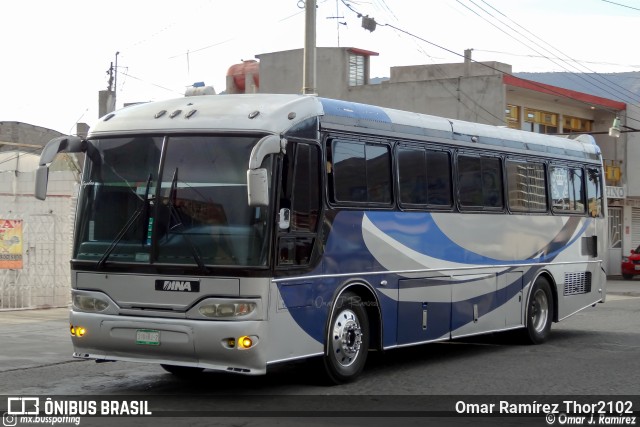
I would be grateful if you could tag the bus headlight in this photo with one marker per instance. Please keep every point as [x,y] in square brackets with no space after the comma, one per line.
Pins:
[227,309]
[89,304]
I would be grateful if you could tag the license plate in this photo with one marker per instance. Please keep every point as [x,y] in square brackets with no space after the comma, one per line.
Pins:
[637,267]
[147,337]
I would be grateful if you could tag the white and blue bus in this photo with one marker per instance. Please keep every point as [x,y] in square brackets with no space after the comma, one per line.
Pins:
[233,232]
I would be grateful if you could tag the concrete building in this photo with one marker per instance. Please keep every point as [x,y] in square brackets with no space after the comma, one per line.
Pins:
[484,92]
[35,236]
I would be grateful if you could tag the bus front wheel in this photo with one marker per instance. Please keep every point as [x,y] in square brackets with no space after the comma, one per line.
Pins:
[539,312]
[348,339]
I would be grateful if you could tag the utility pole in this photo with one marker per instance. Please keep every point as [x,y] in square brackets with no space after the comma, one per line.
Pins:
[309,67]
[115,81]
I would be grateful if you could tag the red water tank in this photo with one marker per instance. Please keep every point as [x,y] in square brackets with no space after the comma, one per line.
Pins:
[239,71]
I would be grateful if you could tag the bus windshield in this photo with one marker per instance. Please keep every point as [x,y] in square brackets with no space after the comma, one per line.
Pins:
[170,200]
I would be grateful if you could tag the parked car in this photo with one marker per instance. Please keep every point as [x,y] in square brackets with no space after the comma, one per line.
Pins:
[631,264]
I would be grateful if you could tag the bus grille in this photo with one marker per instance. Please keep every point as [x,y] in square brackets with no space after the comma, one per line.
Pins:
[577,283]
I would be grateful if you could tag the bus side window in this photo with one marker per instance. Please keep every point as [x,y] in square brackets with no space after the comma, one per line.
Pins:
[361,173]
[306,189]
[567,189]
[301,193]
[480,182]
[594,193]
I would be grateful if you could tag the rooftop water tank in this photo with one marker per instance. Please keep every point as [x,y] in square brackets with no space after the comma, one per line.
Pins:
[239,71]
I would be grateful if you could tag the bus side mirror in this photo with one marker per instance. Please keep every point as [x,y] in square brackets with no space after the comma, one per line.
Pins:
[42,179]
[68,144]
[258,187]
[257,177]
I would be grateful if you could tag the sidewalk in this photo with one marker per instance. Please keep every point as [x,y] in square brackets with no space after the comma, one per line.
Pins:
[616,285]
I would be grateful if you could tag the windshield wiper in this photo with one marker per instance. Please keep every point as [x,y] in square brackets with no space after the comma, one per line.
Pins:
[127,226]
[174,214]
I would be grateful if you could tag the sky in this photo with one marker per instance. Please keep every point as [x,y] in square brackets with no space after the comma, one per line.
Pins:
[55,54]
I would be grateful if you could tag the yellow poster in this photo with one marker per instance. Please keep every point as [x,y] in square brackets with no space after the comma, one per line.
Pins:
[10,244]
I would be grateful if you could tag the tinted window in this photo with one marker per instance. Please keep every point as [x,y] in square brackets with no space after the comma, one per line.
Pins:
[425,177]
[306,184]
[361,172]
[413,176]
[439,178]
[480,182]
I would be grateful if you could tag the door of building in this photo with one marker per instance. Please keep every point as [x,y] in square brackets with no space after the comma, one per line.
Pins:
[615,242]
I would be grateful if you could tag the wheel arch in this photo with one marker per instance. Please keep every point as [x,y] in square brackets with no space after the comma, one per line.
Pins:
[554,292]
[371,304]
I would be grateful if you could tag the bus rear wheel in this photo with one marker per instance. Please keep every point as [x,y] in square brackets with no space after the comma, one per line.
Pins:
[539,312]
[348,340]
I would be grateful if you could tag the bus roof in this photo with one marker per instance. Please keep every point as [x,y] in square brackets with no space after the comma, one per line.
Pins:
[277,113]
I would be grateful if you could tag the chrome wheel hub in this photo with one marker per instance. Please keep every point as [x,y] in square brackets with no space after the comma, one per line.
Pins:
[346,336]
[539,310]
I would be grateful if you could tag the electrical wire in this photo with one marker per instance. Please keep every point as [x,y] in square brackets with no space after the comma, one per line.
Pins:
[581,76]
[545,87]
[580,61]
[21,153]
[458,92]
[153,84]
[611,85]
[620,4]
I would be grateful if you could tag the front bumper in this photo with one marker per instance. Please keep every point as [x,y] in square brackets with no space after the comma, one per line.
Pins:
[182,342]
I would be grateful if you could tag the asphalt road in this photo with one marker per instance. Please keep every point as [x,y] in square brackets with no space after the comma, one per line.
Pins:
[593,353]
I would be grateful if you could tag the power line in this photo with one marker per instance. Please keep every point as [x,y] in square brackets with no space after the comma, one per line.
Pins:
[545,87]
[21,153]
[459,92]
[150,83]
[567,56]
[579,61]
[622,5]
[580,76]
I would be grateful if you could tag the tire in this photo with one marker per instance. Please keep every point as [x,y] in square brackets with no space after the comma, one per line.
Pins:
[347,340]
[627,276]
[182,371]
[539,312]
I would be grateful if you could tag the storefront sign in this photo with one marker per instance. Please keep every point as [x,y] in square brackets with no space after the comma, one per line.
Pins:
[615,192]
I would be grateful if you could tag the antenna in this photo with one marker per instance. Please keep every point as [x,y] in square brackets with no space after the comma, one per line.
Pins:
[338,23]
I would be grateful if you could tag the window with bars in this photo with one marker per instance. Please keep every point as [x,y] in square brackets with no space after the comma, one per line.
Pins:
[357,73]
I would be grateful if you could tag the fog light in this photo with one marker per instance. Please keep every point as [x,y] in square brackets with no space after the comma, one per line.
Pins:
[245,342]
[77,331]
